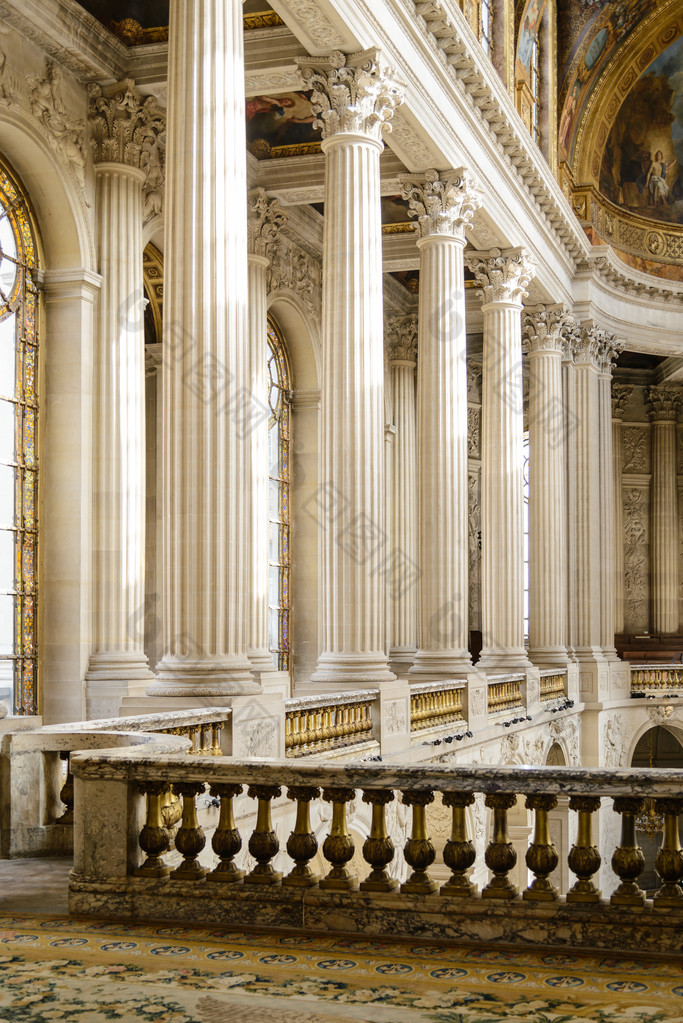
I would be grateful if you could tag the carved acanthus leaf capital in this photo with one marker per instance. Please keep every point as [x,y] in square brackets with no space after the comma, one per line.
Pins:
[620,395]
[128,128]
[401,338]
[663,404]
[265,217]
[352,94]
[444,204]
[502,276]
[546,328]
[597,347]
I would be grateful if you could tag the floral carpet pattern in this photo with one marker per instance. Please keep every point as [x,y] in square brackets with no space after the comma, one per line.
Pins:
[54,968]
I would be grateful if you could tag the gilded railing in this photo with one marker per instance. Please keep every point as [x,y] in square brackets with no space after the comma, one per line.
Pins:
[334,721]
[553,684]
[329,892]
[505,692]
[656,677]
[435,703]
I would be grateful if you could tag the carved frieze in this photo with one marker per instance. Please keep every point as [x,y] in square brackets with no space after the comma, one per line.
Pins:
[620,395]
[294,269]
[636,559]
[354,93]
[636,449]
[443,204]
[474,548]
[67,133]
[473,430]
[502,276]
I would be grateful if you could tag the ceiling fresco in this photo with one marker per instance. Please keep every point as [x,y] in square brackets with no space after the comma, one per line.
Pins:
[642,164]
[118,15]
[282,125]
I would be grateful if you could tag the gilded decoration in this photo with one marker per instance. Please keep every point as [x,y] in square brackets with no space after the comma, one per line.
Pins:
[282,125]
[153,283]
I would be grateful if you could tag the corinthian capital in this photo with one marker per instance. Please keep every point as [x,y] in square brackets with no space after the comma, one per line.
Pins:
[502,276]
[352,94]
[546,328]
[663,404]
[401,338]
[620,395]
[597,347]
[265,217]
[444,204]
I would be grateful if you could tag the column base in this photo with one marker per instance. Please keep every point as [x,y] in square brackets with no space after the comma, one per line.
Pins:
[440,664]
[261,661]
[180,676]
[354,668]
[504,661]
[110,679]
[549,656]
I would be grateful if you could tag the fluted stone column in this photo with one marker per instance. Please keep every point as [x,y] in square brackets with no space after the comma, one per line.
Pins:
[123,128]
[663,406]
[503,278]
[355,97]
[620,396]
[548,428]
[609,351]
[585,498]
[401,340]
[444,206]
[208,409]
[265,218]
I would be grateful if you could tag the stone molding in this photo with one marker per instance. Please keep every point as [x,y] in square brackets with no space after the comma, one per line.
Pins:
[130,129]
[544,328]
[503,276]
[663,404]
[352,94]
[620,395]
[443,203]
[265,217]
[401,338]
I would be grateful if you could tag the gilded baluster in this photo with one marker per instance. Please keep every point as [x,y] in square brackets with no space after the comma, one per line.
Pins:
[584,858]
[171,812]
[338,847]
[205,741]
[328,733]
[226,841]
[669,859]
[366,719]
[628,861]
[378,849]
[154,839]
[190,838]
[419,850]
[289,738]
[302,844]
[500,856]
[216,749]
[541,856]
[458,853]
[66,793]
[263,842]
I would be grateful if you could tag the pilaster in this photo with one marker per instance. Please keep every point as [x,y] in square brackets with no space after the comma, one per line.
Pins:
[620,396]
[663,407]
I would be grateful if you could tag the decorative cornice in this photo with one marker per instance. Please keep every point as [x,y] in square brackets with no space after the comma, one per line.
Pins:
[265,217]
[545,328]
[620,395]
[443,203]
[663,404]
[401,338]
[352,94]
[502,276]
[128,128]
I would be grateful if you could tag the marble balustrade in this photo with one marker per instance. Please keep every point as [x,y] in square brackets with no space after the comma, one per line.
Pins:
[505,692]
[122,870]
[553,684]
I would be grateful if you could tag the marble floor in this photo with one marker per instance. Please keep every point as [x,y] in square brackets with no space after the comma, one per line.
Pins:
[57,968]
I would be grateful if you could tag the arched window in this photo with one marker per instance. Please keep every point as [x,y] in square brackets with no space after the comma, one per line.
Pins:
[18,449]
[279,440]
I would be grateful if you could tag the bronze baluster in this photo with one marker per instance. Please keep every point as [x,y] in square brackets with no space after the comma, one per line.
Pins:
[338,847]
[171,812]
[628,861]
[190,838]
[226,841]
[66,793]
[458,853]
[419,850]
[153,840]
[378,849]
[302,844]
[500,856]
[541,856]
[263,842]
[584,858]
[669,859]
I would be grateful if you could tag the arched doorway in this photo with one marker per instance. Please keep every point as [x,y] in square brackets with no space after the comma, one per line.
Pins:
[658,747]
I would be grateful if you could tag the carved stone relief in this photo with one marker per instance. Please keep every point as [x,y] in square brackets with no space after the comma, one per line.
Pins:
[473,430]
[636,559]
[474,374]
[67,133]
[613,741]
[294,269]
[396,720]
[256,739]
[636,449]
[680,449]
[474,549]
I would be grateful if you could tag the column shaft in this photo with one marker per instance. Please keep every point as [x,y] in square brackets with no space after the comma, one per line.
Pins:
[663,409]
[207,404]
[403,515]
[607,531]
[620,395]
[587,505]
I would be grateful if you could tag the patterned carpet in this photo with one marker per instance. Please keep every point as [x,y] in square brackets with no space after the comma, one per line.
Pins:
[54,968]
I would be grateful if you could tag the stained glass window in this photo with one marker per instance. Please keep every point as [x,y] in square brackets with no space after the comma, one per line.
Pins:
[18,450]
[279,440]
[486,32]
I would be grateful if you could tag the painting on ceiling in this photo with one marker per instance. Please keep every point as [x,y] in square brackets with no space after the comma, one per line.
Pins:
[595,31]
[281,125]
[148,13]
[642,164]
